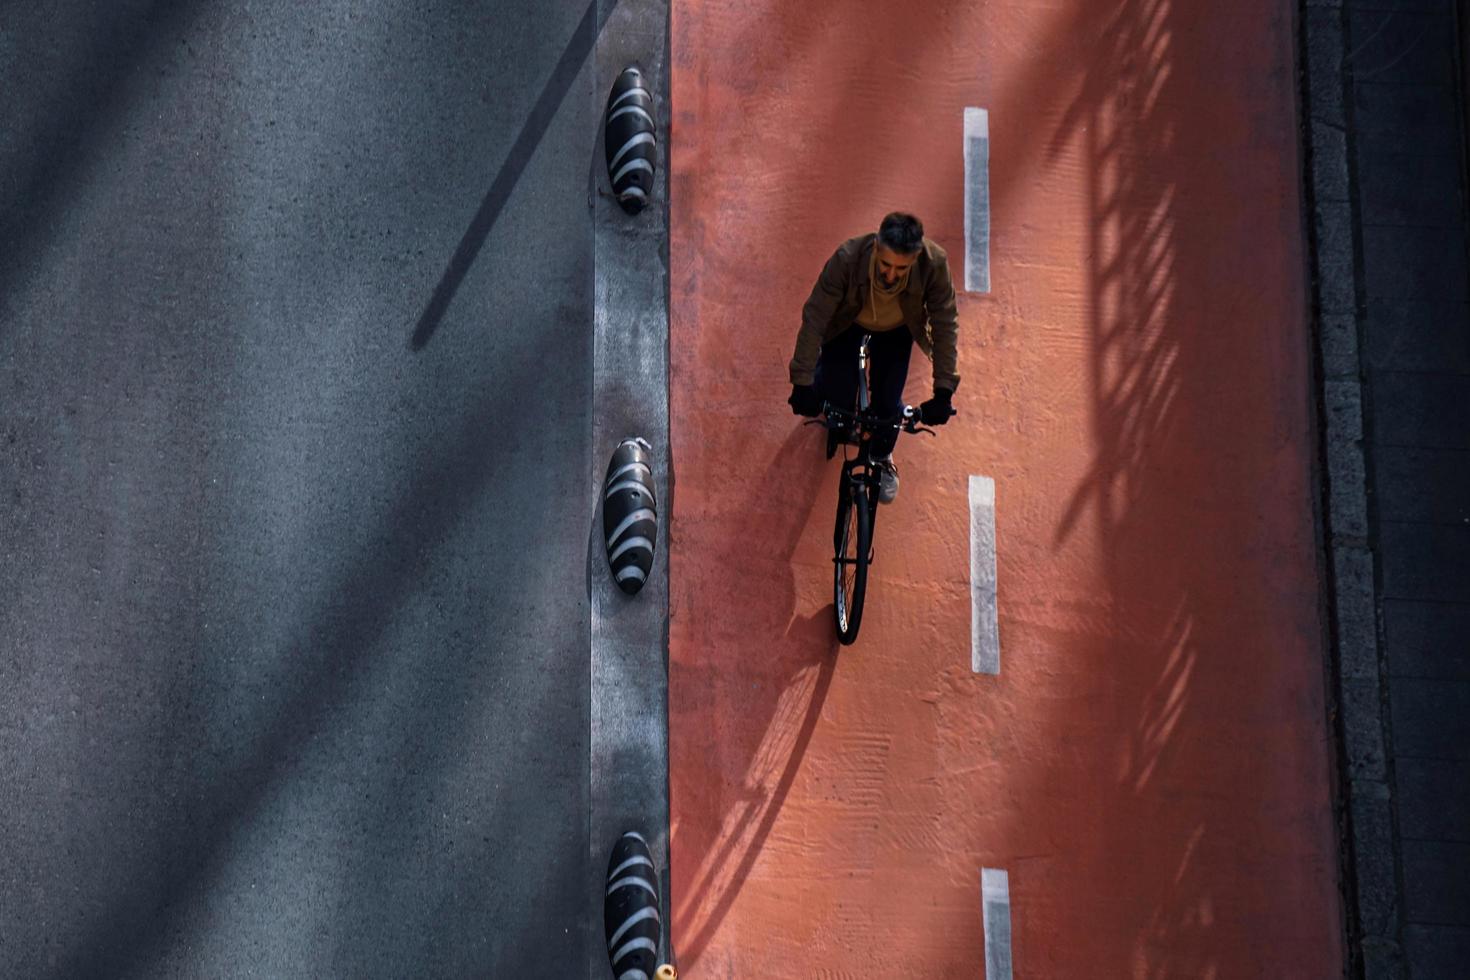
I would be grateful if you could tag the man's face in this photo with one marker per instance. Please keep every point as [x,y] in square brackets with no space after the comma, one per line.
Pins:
[892,265]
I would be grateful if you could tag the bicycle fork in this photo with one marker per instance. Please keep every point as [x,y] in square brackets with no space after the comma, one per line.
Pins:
[849,484]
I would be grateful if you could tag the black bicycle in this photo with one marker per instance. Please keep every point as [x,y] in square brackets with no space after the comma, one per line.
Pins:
[857,494]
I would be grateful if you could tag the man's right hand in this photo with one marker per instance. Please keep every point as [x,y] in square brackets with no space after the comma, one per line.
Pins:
[805,400]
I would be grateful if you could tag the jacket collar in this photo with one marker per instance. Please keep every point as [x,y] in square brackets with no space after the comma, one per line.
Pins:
[865,260]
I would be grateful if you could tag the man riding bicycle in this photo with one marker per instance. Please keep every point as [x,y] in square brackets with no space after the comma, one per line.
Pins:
[876,284]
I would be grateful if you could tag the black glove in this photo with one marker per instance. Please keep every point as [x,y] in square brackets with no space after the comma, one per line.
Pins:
[936,411]
[805,400]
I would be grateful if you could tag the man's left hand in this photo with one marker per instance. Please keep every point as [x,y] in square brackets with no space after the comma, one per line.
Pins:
[936,411]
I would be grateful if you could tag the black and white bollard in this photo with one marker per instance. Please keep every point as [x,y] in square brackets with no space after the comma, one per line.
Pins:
[630,514]
[630,912]
[631,141]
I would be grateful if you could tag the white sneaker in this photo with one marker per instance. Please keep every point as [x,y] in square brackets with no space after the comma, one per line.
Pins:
[887,480]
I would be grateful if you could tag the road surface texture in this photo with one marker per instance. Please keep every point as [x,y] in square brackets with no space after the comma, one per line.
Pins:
[1146,780]
[296,379]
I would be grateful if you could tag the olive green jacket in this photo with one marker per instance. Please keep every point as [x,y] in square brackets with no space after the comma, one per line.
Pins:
[927,302]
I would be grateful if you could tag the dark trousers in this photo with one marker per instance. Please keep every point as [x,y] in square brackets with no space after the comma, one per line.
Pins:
[888,369]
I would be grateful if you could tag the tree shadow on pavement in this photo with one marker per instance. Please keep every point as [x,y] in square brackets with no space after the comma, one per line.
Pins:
[1189,427]
[227,786]
[71,111]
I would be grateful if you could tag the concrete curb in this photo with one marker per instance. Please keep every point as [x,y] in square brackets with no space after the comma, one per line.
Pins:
[1370,867]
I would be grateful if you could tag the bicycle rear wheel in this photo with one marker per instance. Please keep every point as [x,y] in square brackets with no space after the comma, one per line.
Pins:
[850,566]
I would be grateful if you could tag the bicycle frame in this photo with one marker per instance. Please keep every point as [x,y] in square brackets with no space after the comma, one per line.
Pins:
[858,491]
[858,474]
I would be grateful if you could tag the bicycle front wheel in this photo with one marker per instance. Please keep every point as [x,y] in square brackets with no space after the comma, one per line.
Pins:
[850,567]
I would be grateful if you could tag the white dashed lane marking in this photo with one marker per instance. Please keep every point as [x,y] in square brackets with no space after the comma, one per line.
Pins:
[984,629]
[977,200]
[995,897]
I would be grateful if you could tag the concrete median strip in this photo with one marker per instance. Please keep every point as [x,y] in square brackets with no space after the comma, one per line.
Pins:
[628,710]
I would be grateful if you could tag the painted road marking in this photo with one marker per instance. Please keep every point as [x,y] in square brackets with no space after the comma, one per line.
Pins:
[977,200]
[984,628]
[995,898]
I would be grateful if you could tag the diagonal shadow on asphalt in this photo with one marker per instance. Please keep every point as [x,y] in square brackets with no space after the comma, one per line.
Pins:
[578,49]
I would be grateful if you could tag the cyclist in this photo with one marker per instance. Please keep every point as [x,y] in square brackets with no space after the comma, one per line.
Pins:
[877,284]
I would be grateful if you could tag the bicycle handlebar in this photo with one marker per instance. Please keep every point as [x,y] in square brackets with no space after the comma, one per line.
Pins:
[907,419]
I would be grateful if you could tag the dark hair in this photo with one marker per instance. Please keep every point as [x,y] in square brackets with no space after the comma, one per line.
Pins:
[901,232]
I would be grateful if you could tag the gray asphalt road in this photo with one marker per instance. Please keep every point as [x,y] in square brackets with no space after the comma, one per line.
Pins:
[293,598]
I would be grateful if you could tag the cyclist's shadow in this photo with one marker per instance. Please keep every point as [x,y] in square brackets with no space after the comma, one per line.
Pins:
[760,683]
[759,551]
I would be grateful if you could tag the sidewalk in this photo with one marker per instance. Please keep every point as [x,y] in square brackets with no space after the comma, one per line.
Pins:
[1388,179]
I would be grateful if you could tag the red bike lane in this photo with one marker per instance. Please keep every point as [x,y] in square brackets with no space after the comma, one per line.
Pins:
[1150,766]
